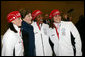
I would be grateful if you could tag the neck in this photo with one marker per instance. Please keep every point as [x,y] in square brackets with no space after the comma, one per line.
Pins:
[16,27]
[39,23]
[57,22]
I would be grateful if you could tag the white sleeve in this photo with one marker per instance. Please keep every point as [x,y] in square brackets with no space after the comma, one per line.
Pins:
[7,48]
[76,35]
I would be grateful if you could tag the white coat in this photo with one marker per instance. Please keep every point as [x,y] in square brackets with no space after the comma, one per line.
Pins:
[42,45]
[63,46]
[10,41]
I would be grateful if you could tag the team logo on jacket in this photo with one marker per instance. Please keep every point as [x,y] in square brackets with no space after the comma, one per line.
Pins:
[63,31]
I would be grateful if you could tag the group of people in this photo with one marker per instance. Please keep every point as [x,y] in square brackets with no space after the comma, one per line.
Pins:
[28,35]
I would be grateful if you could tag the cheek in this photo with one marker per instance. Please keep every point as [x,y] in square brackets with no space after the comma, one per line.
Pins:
[20,21]
[26,19]
[38,19]
[41,17]
[60,17]
[55,18]
[29,19]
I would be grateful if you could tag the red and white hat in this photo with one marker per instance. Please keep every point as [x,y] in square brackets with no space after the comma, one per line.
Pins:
[13,15]
[36,13]
[53,13]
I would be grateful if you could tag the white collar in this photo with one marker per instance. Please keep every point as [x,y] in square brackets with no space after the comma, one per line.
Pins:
[16,27]
[56,24]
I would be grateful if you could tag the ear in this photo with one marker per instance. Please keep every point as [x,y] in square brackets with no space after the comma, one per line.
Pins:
[20,20]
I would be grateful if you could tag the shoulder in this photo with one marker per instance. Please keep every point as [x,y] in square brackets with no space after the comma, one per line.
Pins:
[33,24]
[9,35]
[66,22]
[46,25]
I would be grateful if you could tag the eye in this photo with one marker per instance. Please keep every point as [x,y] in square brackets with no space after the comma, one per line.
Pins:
[19,18]
[28,16]
[38,16]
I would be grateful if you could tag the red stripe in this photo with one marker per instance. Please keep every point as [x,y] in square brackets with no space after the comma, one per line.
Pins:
[38,26]
[20,32]
[21,39]
[56,31]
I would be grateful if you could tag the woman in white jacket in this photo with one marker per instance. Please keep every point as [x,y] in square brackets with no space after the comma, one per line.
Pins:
[60,36]
[12,41]
[42,45]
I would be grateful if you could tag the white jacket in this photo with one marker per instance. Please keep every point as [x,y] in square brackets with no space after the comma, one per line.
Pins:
[10,41]
[63,46]
[42,45]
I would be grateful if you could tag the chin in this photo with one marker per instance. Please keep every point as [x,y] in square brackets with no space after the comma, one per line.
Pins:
[58,22]
[41,22]
[19,26]
[30,22]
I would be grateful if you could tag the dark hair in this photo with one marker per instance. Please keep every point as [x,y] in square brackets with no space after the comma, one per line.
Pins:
[51,23]
[12,27]
[35,19]
[24,12]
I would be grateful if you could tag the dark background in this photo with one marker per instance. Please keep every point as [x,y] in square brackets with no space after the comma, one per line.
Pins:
[44,6]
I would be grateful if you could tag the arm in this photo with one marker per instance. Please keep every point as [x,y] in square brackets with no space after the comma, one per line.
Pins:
[76,35]
[7,49]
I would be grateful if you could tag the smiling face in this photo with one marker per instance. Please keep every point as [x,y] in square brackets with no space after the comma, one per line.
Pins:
[28,18]
[57,18]
[39,19]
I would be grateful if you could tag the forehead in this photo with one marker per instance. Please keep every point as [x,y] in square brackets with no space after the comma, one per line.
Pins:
[29,14]
[39,15]
[18,18]
[56,15]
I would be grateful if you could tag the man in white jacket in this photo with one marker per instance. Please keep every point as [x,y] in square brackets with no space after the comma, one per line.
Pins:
[42,45]
[12,41]
[60,36]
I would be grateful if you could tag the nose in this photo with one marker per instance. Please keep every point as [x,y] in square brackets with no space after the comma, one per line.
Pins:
[30,17]
[21,20]
[41,17]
